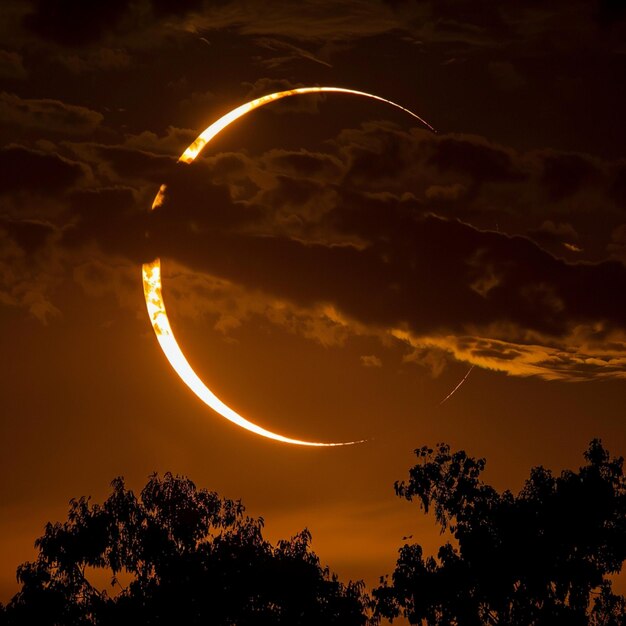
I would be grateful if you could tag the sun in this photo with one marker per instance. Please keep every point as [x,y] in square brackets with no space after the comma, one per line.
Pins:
[152,285]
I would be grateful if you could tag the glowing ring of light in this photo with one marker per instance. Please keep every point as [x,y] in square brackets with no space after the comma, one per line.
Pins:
[152,271]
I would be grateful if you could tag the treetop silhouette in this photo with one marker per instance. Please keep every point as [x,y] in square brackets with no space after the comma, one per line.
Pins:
[532,559]
[193,557]
[543,557]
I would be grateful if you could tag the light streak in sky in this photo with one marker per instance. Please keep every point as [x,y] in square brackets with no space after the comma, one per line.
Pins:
[457,387]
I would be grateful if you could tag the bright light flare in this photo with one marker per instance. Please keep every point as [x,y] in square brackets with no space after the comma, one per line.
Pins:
[151,272]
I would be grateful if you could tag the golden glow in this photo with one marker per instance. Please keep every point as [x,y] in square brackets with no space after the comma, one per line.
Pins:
[152,271]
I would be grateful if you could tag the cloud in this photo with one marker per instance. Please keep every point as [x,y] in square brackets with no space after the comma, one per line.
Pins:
[12,66]
[550,234]
[107,277]
[336,297]
[371,360]
[565,174]
[194,108]
[33,171]
[385,262]
[617,247]
[383,235]
[172,143]
[445,192]
[121,163]
[577,357]
[74,23]
[309,20]
[230,305]
[286,53]
[491,186]
[29,271]
[29,235]
[482,161]
[109,216]
[419,259]
[264,86]
[505,76]
[104,59]
[48,115]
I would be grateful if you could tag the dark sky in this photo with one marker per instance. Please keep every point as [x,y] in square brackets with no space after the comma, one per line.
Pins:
[332,269]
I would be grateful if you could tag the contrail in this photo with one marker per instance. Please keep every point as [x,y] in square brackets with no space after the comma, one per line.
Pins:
[457,387]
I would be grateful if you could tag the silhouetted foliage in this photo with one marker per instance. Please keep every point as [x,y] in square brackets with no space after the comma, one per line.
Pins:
[192,557]
[540,558]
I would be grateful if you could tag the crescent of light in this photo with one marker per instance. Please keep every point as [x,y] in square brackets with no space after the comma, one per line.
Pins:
[152,271]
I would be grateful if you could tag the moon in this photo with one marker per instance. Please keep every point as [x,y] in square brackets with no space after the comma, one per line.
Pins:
[151,272]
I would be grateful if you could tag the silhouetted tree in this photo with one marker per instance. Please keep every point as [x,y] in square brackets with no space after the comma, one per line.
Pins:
[540,558]
[192,557]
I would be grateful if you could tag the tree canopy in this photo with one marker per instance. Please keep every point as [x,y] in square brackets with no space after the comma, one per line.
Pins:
[181,555]
[542,557]
[192,557]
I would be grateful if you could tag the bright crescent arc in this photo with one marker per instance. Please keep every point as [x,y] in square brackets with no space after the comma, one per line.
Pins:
[151,272]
